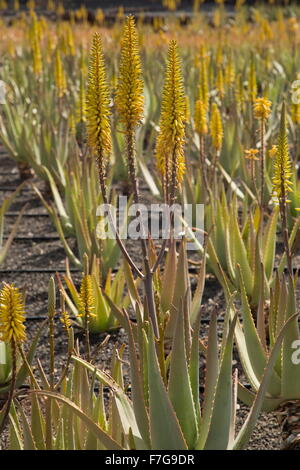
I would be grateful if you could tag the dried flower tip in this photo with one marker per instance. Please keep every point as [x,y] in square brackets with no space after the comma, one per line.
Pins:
[12,315]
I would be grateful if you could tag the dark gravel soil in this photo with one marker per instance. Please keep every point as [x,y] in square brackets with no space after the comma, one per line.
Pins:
[34,254]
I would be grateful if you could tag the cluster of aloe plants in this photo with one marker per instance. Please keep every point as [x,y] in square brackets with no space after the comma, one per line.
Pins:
[218,141]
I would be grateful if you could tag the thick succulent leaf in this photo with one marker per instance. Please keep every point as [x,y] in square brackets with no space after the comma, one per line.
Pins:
[103,437]
[23,371]
[247,428]
[269,243]
[123,403]
[211,378]
[169,278]
[248,397]
[241,255]
[254,347]
[221,418]
[290,369]
[165,430]
[180,390]
[194,366]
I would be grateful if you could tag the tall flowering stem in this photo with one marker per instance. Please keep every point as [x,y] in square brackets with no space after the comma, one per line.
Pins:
[282,183]
[130,107]
[262,110]
[129,95]
[87,308]
[171,138]
[98,125]
[216,132]
[97,111]
[12,330]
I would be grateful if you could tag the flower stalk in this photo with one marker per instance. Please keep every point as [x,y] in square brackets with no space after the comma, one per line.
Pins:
[12,330]
[282,184]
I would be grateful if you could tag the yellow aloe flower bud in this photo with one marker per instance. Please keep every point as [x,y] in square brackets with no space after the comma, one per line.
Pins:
[50,5]
[203,93]
[70,41]
[229,70]
[262,108]
[100,16]
[97,102]
[34,38]
[60,77]
[87,301]
[31,5]
[171,137]
[129,95]
[12,315]
[219,55]
[295,112]
[216,127]
[60,11]
[200,118]
[282,171]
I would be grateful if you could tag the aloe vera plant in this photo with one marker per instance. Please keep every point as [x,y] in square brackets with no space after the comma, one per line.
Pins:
[164,411]
[102,318]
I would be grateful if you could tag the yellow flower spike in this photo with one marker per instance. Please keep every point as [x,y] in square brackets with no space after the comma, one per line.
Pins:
[216,127]
[250,154]
[50,5]
[70,41]
[12,315]
[66,320]
[171,138]
[60,77]
[97,103]
[200,118]
[60,11]
[262,108]
[219,55]
[87,301]
[229,70]
[34,38]
[282,172]
[129,95]
[203,80]
[220,82]
[295,113]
